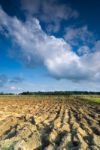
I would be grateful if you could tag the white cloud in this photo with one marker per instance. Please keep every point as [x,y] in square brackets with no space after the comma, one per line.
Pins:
[50,12]
[49,8]
[12,88]
[75,36]
[83,50]
[55,54]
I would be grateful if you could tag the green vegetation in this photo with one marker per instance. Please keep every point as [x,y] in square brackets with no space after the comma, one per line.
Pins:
[61,93]
[11,147]
[55,93]
[92,98]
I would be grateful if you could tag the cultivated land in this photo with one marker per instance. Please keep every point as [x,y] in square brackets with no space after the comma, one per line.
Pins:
[49,122]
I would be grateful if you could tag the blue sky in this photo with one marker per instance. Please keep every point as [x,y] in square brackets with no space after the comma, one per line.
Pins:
[49,45]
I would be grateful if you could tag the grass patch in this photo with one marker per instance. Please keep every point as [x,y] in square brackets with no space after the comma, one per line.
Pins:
[11,147]
[91,98]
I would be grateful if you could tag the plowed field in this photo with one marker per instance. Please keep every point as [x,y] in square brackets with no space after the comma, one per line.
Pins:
[48,123]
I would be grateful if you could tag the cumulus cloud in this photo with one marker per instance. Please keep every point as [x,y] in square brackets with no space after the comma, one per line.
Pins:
[76,36]
[51,12]
[83,50]
[35,48]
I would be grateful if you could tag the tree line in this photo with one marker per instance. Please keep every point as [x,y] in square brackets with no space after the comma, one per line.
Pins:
[55,93]
[61,93]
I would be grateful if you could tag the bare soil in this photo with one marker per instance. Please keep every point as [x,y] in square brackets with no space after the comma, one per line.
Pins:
[48,123]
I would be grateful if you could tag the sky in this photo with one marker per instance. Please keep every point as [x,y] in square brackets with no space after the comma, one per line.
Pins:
[49,45]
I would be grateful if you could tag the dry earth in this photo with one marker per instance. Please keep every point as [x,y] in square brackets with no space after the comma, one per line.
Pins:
[48,123]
